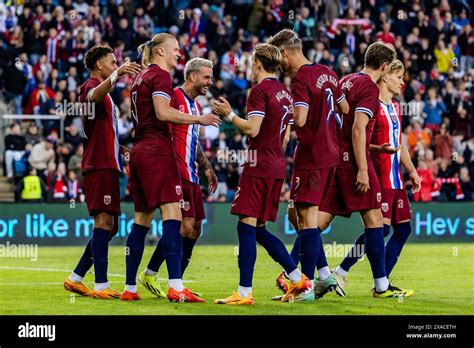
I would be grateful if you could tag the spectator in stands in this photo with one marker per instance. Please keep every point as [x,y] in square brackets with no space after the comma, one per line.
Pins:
[59,184]
[467,185]
[431,163]
[418,135]
[444,56]
[433,110]
[15,84]
[443,143]
[74,186]
[41,154]
[31,188]
[73,137]
[39,99]
[230,63]
[424,195]
[14,147]
[32,135]
[75,161]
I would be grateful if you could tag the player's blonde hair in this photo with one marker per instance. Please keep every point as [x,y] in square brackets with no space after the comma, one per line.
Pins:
[396,66]
[286,38]
[195,64]
[146,49]
[269,55]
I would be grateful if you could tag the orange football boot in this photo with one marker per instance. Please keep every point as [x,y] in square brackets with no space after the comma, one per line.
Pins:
[183,296]
[77,287]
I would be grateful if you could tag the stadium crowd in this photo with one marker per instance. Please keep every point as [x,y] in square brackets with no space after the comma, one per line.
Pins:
[42,45]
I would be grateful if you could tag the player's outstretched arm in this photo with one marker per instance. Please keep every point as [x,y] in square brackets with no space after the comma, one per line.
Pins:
[127,68]
[250,127]
[359,142]
[164,112]
[408,164]
[203,163]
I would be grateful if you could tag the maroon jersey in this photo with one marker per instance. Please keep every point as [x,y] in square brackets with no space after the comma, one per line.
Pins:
[100,132]
[316,87]
[362,94]
[271,100]
[151,134]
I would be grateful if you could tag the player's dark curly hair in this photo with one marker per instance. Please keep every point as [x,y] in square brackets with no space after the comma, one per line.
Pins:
[94,54]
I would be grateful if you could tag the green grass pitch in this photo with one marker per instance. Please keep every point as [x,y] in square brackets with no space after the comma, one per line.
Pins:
[440,274]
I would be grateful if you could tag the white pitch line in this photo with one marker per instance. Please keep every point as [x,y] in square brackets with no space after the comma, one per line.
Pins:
[41,283]
[68,271]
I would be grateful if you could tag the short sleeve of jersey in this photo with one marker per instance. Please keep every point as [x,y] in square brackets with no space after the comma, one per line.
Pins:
[161,84]
[89,88]
[300,91]
[340,94]
[368,100]
[256,102]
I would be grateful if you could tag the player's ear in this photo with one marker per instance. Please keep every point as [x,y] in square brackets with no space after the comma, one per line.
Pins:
[161,51]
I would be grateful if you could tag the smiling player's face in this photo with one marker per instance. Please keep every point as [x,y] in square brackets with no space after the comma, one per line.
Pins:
[395,82]
[171,53]
[107,65]
[202,80]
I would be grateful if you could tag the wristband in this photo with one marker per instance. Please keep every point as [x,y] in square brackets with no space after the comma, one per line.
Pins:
[113,77]
[231,116]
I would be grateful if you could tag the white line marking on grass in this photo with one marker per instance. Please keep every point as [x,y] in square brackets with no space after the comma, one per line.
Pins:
[68,271]
[41,283]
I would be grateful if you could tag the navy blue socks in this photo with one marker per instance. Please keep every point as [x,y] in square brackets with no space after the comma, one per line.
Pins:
[172,247]
[310,250]
[86,261]
[134,251]
[188,245]
[275,248]
[375,250]
[395,244]
[247,253]
[100,251]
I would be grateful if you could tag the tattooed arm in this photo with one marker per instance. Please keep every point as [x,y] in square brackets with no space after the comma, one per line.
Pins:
[204,164]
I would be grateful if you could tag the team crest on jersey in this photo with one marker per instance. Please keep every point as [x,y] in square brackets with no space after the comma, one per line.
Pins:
[384,207]
[379,197]
[107,199]
[184,205]
[178,189]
